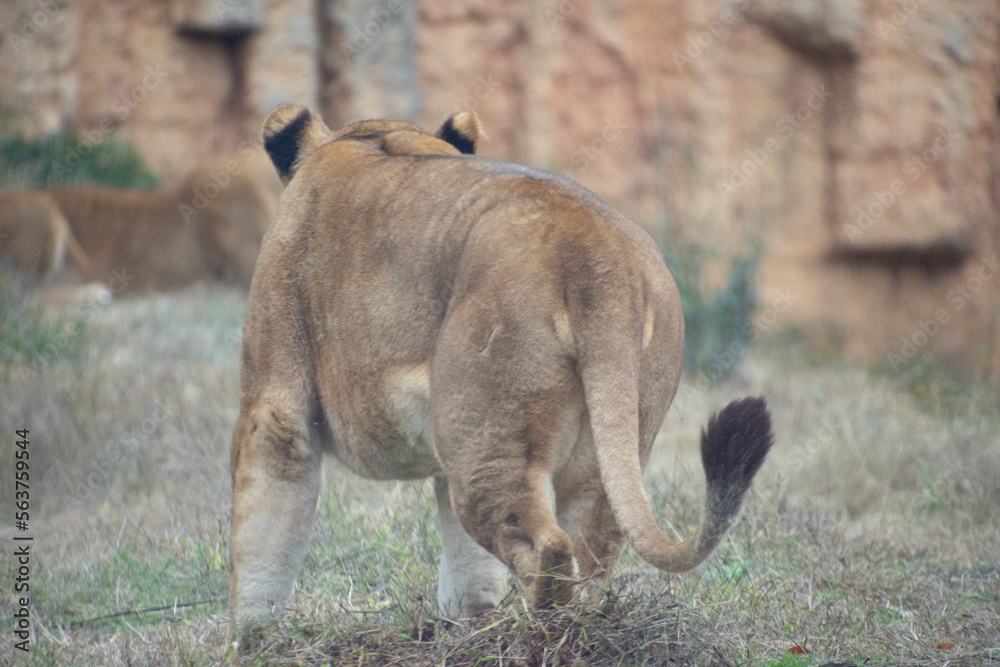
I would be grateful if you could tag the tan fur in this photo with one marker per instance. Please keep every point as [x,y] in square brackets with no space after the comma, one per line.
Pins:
[206,226]
[417,312]
[34,236]
[37,245]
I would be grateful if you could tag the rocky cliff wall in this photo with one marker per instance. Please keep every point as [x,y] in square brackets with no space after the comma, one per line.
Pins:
[855,143]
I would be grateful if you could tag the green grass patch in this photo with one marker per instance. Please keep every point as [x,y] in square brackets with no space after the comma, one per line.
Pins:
[790,660]
[131,585]
[30,336]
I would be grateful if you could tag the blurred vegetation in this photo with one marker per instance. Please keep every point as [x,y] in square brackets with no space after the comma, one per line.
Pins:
[29,336]
[718,329]
[64,158]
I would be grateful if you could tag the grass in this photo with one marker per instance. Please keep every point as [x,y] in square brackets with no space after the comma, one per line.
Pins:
[28,333]
[871,536]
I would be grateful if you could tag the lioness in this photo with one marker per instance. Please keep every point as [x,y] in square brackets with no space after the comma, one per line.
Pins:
[35,237]
[35,240]
[205,226]
[419,312]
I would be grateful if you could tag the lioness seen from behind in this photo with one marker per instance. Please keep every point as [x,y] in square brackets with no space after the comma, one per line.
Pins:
[418,311]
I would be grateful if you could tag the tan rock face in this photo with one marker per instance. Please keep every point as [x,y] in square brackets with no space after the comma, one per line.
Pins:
[282,61]
[225,18]
[856,142]
[39,45]
[908,137]
[368,63]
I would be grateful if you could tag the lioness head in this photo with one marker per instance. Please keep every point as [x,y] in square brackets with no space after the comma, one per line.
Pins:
[291,133]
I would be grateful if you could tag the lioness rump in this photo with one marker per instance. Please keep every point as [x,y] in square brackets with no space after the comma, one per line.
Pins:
[419,312]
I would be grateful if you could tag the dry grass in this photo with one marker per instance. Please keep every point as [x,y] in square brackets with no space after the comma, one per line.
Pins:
[873,531]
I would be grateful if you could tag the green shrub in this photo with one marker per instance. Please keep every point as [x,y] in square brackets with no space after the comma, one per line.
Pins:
[63,158]
[718,330]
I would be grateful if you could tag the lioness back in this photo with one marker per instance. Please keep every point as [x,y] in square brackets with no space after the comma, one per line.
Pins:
[417,235]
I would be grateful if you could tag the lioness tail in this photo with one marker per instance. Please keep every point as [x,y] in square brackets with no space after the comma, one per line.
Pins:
[733,447]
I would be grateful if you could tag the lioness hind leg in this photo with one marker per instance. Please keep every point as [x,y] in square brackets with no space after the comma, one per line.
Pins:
[471,581]
[506,510]
[586,516]
[505,412]
[276,465]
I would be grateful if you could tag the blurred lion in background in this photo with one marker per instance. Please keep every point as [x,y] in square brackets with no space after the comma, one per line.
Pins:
[206,226]
[35,239]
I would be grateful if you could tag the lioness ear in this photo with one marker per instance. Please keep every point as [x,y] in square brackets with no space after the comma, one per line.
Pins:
[291,133]
[462,130]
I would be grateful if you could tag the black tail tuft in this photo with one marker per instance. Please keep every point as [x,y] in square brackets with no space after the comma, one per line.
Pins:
[734,444]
